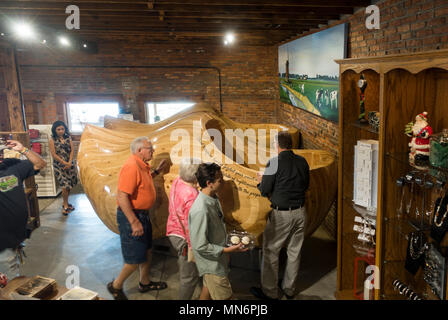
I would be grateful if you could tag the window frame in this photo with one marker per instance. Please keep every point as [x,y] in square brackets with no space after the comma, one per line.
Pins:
[89,99]
[156,103]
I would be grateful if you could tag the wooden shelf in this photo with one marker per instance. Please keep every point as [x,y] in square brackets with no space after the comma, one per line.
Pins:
[365,127]
[404,159]
[399,88]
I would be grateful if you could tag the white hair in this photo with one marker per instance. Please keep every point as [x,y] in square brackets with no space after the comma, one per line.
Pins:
[137,143]
[188,168]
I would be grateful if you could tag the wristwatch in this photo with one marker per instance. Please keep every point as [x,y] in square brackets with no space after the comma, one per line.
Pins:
[24,150]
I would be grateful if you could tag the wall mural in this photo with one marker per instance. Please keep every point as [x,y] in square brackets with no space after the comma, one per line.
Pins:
[308,75]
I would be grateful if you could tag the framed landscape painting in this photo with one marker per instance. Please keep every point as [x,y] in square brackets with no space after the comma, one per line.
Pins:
[308,75]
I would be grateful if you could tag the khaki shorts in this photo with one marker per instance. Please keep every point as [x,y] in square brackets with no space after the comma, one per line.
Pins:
[218,286]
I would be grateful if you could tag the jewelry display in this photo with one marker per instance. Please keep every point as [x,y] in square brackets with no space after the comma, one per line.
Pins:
[427,192]
[419,182]
[417,245]
[442,204]
[405,290]
[439,189]
[401,182]
[410,179]
[439,224]
[434,271]
[422,200]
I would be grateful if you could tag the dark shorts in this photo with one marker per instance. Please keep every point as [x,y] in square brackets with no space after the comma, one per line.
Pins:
[134,249]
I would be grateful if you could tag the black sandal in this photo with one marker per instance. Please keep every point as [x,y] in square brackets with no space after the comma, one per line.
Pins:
[65,211]
[152,286]
[118,294]
[70,207]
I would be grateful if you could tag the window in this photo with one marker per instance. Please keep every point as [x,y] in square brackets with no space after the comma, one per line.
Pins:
[80,114]
[160,111]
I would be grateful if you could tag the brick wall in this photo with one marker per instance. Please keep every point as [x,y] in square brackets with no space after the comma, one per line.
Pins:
[248,77]
[406,26]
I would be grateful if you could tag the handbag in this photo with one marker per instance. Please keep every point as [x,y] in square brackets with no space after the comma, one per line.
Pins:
[190,256]
[36,147]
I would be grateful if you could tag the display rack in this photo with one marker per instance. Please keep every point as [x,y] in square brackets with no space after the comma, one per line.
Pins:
[46,180]
[399,87]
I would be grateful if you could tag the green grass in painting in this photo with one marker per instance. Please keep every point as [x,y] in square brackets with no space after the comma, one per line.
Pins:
[310,87]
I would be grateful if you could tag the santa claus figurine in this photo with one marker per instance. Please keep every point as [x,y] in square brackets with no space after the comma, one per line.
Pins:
[3,280]
[419,145]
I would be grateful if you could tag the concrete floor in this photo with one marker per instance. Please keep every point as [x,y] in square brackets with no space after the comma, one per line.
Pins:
[82,241]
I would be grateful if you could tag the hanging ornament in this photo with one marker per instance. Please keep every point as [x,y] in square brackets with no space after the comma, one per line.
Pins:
[362,84]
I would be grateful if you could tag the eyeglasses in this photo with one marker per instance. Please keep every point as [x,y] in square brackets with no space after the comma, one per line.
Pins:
[151,149]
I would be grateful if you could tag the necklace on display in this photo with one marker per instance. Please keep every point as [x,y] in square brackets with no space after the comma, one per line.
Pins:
[436,216]
[413,242]
[409,204]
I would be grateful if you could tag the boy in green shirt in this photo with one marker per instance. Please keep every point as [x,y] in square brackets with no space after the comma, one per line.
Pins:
[208,235]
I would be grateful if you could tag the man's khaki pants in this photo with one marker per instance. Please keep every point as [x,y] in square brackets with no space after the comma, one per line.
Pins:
[283,229]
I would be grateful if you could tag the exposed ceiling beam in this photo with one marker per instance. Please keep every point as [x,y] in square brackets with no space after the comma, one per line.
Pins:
[260,22]
[176,14]
[279,9]
[268,3]
[104,21]
[180,14]
[289,3]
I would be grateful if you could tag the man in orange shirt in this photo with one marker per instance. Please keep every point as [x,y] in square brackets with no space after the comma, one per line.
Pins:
[135,196]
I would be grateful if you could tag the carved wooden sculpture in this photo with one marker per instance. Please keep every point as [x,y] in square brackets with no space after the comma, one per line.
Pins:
[200,132]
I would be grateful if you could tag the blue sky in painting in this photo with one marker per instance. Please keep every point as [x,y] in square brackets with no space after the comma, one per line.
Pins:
[314,54]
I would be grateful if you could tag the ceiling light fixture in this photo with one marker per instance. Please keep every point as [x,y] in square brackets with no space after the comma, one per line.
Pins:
[229,39]
[64,41]
[23,30]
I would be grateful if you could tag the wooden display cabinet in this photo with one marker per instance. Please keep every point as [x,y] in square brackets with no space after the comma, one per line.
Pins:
[399,87]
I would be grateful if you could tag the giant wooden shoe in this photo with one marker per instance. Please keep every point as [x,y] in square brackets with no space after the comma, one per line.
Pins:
[199,132]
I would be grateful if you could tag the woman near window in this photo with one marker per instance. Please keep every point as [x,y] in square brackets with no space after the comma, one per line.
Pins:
[61,147]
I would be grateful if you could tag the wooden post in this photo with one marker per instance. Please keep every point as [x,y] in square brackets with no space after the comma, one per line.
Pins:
[15,109]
